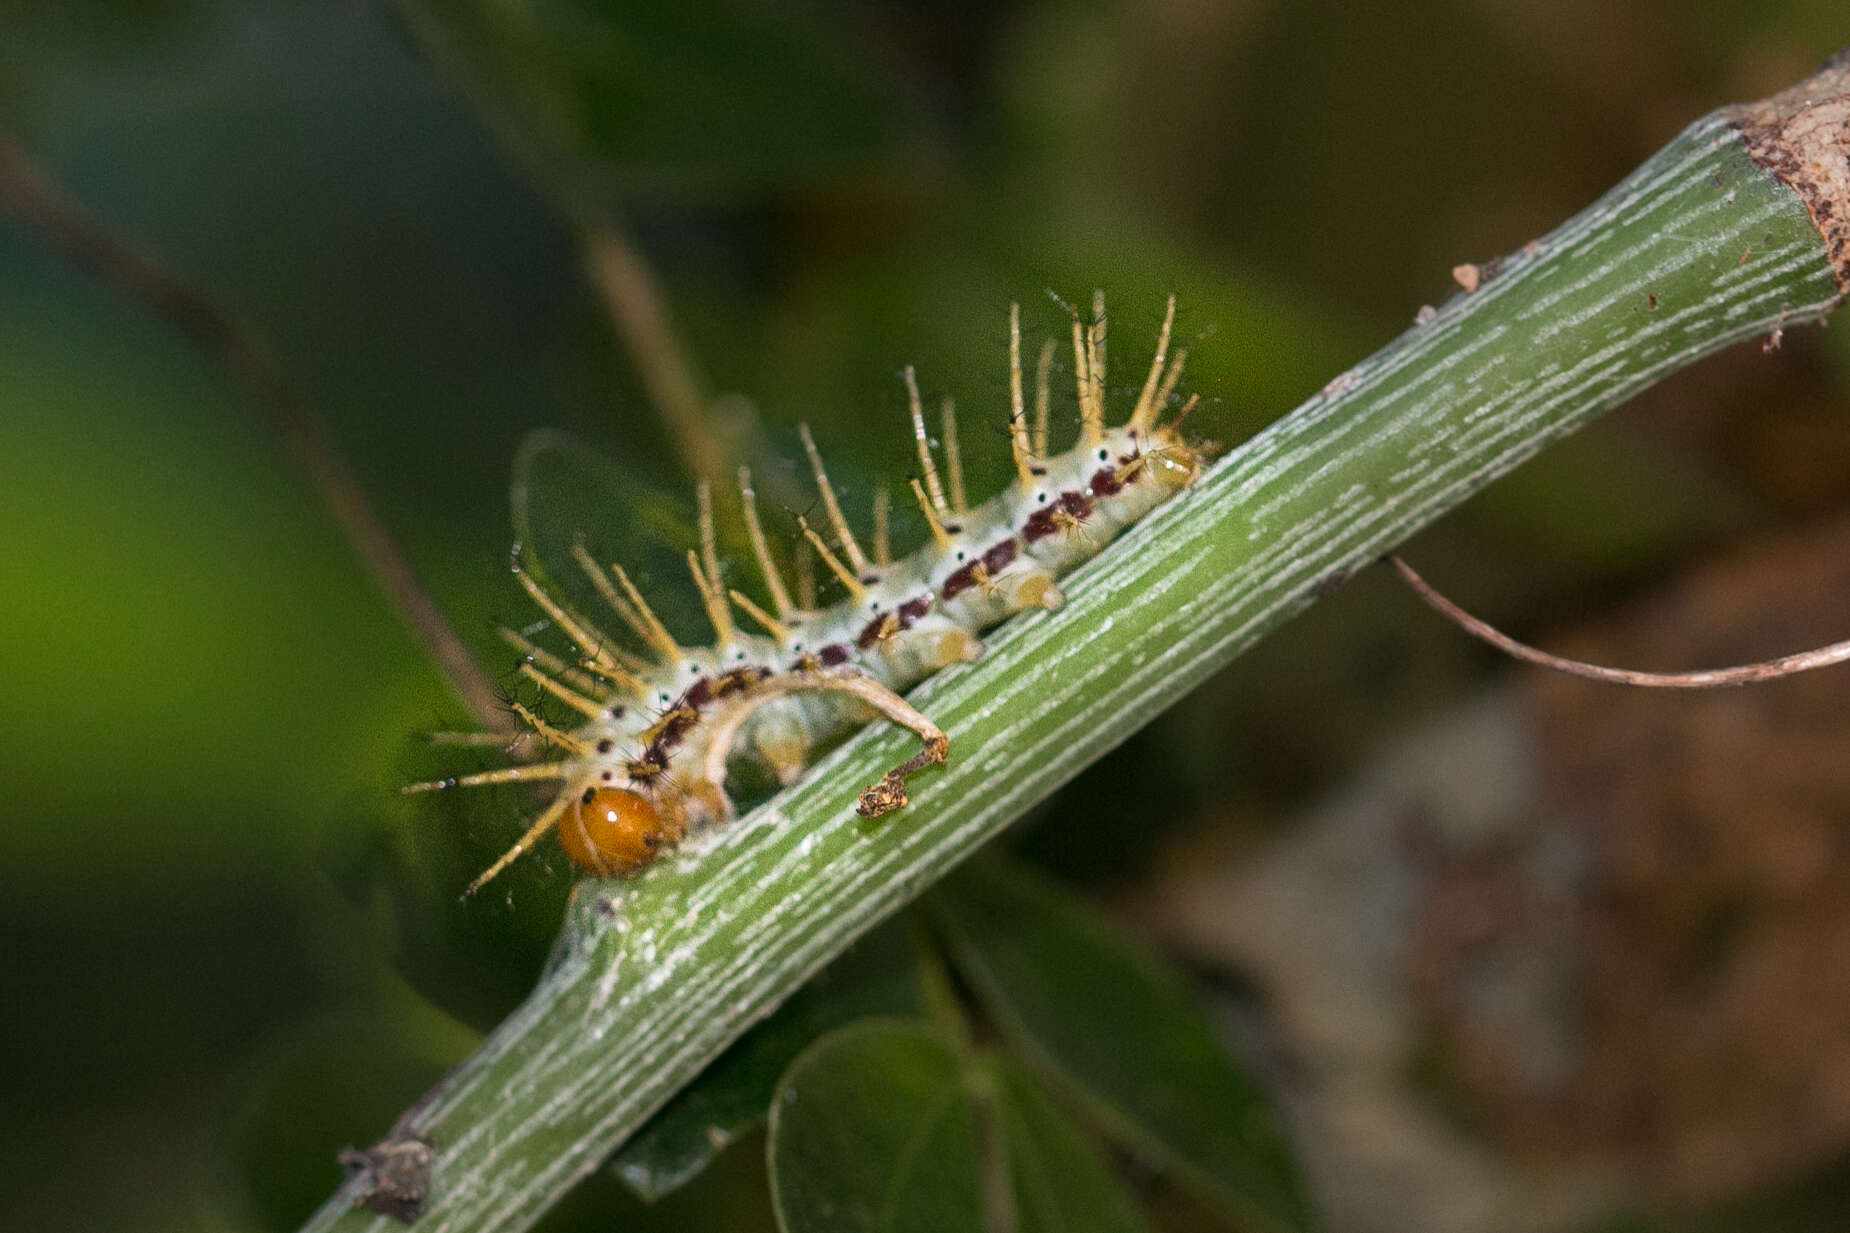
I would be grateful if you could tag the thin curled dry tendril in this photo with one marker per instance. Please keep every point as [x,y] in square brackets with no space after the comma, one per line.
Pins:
[1706,678]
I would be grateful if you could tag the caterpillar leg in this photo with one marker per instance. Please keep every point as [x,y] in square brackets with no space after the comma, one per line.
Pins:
[882,797]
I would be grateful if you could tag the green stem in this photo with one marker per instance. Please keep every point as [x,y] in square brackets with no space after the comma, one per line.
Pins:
[652,977]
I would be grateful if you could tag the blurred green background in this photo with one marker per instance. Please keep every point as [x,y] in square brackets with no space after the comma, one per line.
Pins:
[229,948]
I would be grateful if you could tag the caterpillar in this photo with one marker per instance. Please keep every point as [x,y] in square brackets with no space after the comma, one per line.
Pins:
[647,761]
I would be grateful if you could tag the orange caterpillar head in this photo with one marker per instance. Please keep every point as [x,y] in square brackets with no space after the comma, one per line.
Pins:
[612,830]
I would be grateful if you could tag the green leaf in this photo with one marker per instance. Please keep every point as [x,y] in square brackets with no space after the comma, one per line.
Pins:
[732,1096]
[1122,1033]
[1060,1183]
[873,1131]
[701,96]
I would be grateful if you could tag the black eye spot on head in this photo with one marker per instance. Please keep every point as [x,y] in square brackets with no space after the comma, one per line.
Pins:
[1040,498]
[664,697]
[961,554]
[693,669]
[873,605]
[797,646]
[606,745]
[1104,455]
[738,656]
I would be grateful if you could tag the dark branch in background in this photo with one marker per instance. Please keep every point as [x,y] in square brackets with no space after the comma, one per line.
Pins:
[1707,678]
[636,310]
[30,195]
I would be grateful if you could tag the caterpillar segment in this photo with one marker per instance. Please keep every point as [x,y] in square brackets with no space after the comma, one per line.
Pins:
[646,760]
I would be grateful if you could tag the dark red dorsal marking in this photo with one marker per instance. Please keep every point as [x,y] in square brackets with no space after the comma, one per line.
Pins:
[877,630]
[959,582]
[670,732]
[739,680]
[1075,505]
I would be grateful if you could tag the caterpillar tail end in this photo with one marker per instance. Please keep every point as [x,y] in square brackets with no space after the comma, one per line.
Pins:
[890,793]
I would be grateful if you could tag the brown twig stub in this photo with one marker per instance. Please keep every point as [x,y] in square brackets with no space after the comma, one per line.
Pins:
[30,195]
[1801,136]
[1707,678]
[396,1171]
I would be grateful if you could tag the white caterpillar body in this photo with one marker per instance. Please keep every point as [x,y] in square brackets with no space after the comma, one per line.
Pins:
[650,758]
